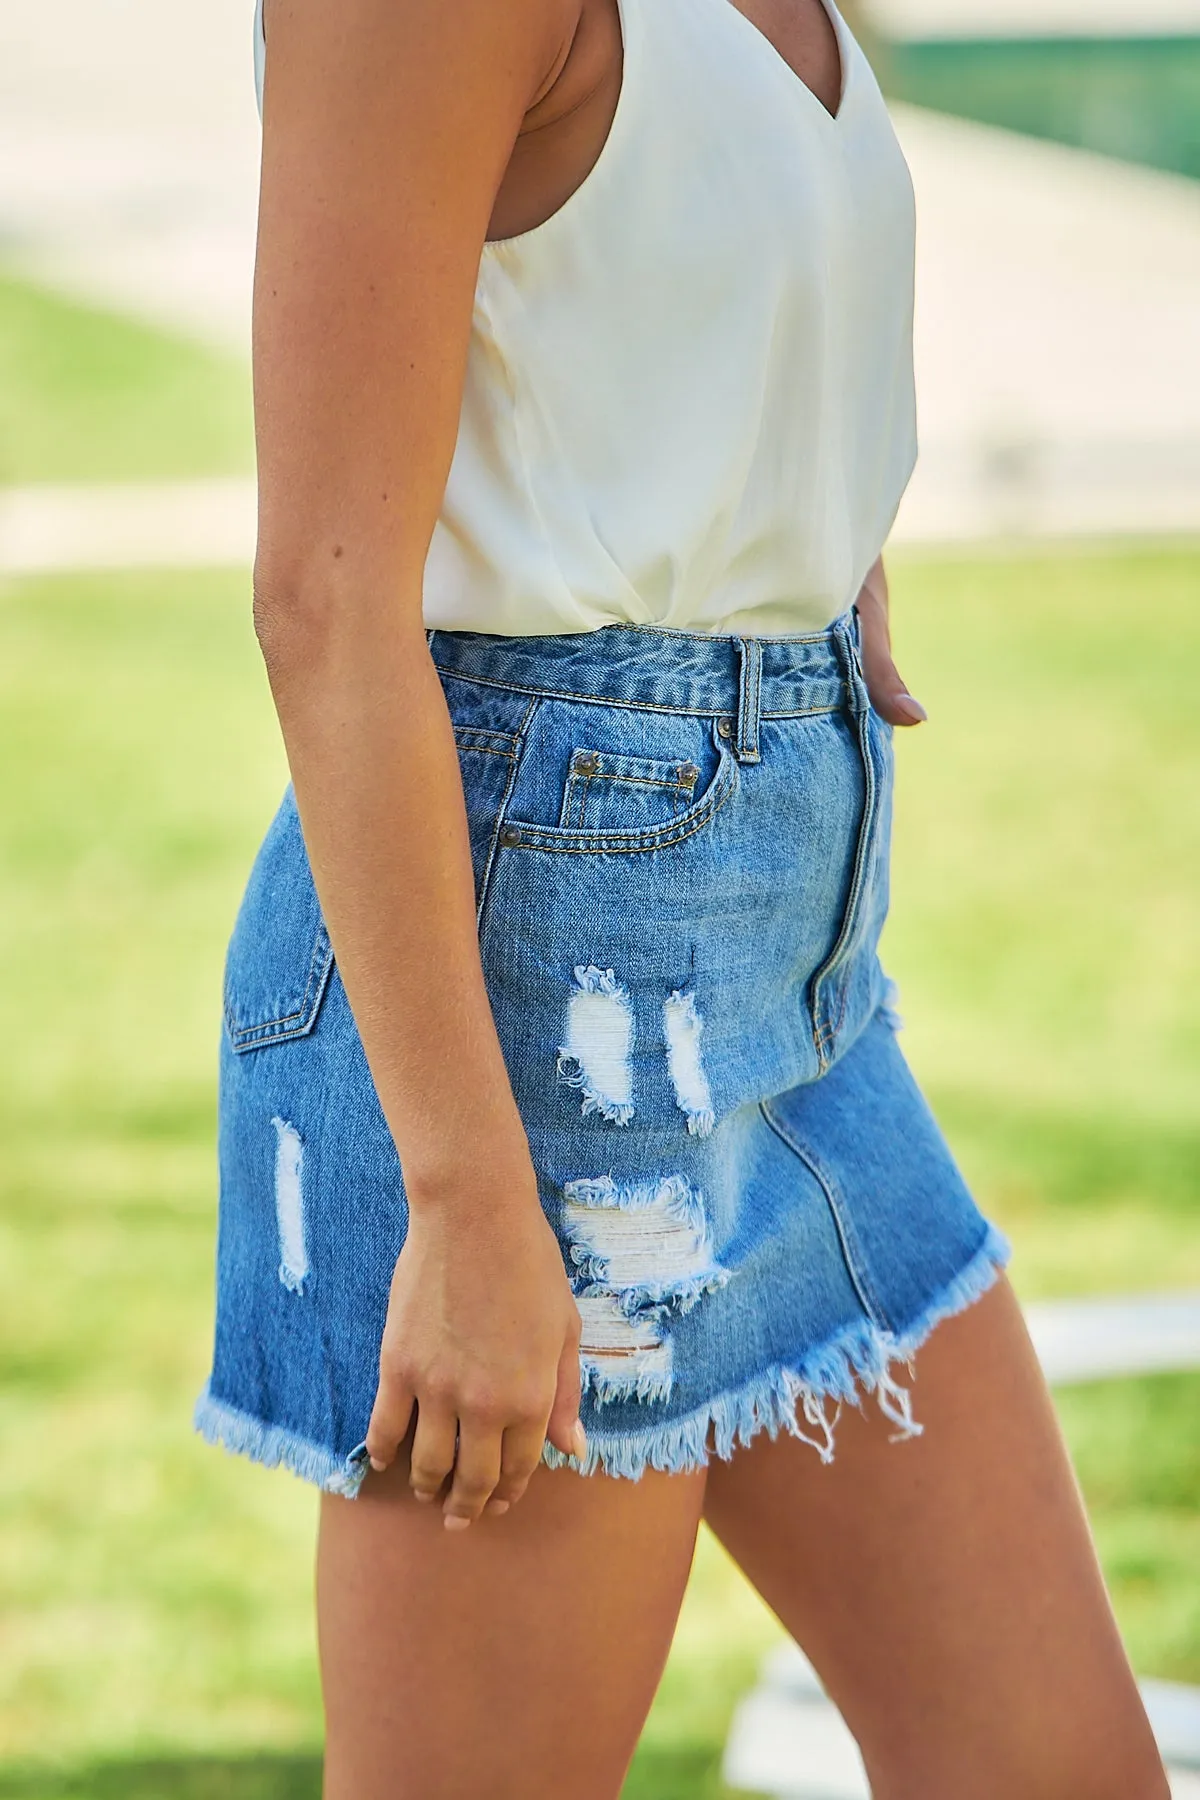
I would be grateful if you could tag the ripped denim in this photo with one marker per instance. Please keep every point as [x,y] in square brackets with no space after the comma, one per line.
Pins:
[680,845]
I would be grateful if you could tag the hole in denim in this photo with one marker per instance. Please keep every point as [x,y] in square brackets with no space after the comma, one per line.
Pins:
[622,1358]
[596,1056]
[684,1027]
[648,1243]
[289,1206]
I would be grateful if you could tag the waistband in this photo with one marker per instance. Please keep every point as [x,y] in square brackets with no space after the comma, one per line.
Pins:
[662,670]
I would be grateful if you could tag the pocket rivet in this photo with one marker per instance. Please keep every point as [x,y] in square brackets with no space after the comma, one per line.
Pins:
[587,762]
[688,773]
[510,836]
[725,728]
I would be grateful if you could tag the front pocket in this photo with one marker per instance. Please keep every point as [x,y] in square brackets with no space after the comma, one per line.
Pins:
[279,959]
[630,803]
[607,792]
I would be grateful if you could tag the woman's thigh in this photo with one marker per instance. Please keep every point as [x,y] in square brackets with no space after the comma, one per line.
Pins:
[518,1658]
[946,1588]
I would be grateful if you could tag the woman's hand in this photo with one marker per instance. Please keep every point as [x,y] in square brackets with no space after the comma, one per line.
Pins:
[482,1339]
[889,696]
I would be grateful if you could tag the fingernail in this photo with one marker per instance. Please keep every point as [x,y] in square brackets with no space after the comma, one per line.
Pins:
[424,1495]
[498,1506]
[910,707]
[578,1439]
[453,1522]
[377,1465]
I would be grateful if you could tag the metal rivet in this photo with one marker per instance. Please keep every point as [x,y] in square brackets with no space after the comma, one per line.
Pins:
[510,836]
[725,728]
[688,773]
[587,762]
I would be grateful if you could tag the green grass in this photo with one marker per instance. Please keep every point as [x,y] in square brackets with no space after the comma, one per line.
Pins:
[88,396]
[1047,871]
[156,1636]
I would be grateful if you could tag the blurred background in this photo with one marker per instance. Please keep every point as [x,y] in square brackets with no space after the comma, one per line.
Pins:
[155,1618]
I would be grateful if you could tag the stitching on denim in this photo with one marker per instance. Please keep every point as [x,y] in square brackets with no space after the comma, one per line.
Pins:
[571,812]
[710,637]
[824,1035]
[753,700]
[603,845]
[839,1212]
[486,750]
[498,826]
[870,847]
[804,712]
[634,780]
[675,712]
[247,1037]
[533,837]
[284,1018]
[502,740]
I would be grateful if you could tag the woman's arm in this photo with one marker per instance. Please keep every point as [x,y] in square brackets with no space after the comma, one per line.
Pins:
[388,125]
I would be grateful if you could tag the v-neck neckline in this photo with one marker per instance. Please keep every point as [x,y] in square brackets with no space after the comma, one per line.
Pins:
[842,38]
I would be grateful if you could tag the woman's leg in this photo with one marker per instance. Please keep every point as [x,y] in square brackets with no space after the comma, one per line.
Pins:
[513,1660]
[946,1588]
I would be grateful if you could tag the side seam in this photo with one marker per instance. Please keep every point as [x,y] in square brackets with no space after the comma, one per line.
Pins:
[847,1236]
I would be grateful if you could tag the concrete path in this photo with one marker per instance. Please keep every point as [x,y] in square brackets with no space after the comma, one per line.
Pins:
[1057,339]
[129,155]
[1057,344]
[1099,1339]
[180,525]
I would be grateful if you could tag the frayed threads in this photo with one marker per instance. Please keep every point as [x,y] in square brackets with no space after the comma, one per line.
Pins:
[242,1435]
[647,1243]
[858,1360]
[596,1058]
[804,1401]
[622,1358]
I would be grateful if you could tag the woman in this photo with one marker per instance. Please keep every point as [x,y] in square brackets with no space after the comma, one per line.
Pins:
[572,1179]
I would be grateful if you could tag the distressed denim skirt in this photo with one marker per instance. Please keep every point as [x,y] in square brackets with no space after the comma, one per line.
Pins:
[680,846]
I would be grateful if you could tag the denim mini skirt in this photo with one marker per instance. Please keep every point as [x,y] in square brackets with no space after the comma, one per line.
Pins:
[680,846]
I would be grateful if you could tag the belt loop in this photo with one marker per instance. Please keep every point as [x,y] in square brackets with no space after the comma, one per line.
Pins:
[745,746]
[846,637]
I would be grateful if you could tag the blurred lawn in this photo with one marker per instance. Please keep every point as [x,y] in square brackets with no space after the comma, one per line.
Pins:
[86,395]
[155,1637]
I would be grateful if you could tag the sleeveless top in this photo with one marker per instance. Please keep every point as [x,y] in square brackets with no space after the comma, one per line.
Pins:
[689,393]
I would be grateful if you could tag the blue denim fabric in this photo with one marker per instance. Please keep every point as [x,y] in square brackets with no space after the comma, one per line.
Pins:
[680,846]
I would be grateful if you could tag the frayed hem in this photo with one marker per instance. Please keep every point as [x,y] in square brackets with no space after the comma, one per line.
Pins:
[970,1284]
[243,1435]
[795,1400]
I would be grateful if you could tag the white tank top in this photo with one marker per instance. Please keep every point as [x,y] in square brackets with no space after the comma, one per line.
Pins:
[689,393]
